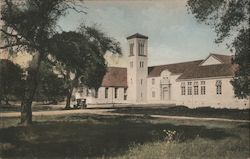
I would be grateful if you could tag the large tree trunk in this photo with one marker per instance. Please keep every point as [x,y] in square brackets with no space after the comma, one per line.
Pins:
[30,89]
[71,87]
[69,95]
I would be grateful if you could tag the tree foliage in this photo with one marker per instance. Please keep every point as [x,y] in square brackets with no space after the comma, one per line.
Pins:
[82,53]
[230,20]
[29,25]
[51,88]
[10,81]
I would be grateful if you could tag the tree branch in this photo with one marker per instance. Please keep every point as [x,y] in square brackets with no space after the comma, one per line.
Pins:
[12,45]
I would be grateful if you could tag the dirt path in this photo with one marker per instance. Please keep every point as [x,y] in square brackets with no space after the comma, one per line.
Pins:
[109,112]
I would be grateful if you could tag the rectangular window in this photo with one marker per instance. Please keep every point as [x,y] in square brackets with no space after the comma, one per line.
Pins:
[131,47]
[195,90]
[141,81]
[203,82]
[116,90]
[125,93]
[153,94]
[153,81]
[189,90]
[203,90]
[106,92]
[141,48]
[218,87]
[203,87]
[183,90]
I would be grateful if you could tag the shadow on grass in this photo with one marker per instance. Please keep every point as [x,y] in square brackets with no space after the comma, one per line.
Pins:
[185,111]
[93,136]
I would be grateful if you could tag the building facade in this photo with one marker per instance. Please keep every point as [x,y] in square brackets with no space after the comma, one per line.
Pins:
[197,83]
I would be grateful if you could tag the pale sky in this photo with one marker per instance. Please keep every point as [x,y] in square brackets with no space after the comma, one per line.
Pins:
[174,35]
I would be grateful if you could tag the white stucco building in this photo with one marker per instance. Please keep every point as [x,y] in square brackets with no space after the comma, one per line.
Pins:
[204,82]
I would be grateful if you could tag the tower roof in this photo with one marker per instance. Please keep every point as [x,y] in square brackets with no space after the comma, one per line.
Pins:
[137,35]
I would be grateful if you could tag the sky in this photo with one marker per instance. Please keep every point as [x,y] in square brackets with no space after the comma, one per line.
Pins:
[174,35]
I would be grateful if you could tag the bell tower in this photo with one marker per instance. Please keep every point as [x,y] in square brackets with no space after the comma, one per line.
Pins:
[137,70]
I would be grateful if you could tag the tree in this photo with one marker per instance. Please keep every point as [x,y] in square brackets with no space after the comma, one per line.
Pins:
[10,81]
[230,20]
[51,88]
[29,25]
[87,47]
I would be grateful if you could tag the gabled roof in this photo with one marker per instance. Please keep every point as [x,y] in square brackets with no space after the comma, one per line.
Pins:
[220,70]
[223,59]
[226,59]
[115,77]
[194,69]
[137,35]
[176,68]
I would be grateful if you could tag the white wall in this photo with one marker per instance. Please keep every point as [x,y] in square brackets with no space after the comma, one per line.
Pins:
[111,96]
[211,61]
[211,98]
[137,92]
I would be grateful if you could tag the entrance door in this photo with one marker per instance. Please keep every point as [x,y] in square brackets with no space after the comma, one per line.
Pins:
[165,93]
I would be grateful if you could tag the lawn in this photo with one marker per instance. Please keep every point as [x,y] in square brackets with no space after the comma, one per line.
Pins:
[96,136]
[203,112]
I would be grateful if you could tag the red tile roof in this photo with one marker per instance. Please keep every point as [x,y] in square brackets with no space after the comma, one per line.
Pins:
[176,68]
[193,69]
[219,70]
[115,77]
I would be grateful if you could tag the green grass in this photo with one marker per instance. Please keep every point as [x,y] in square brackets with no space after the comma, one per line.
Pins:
[95,136]
[185,111]
[35,107]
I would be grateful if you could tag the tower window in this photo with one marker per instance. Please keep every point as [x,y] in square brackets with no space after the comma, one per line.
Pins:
[141,64]
[131,48]
[131,64]
[141,81]
[141,48]
[106,92]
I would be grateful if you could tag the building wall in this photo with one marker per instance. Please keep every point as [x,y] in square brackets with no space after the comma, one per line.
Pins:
[211,98]
[137,75]
[91,98]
